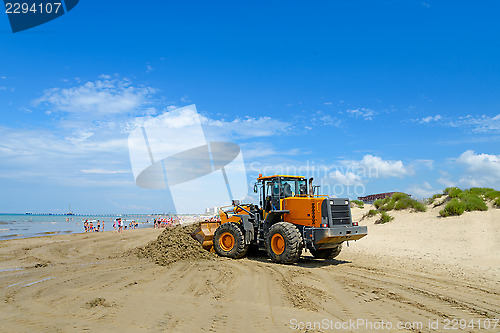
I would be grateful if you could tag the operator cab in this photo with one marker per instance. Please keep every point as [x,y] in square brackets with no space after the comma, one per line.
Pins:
[277,187]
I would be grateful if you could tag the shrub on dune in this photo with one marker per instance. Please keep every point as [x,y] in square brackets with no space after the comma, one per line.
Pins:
[387,206]
[371,213]
[479,190]
[473,202]
[492,195]
[359,203]
[407,202]
[497,202]
[434,197]
[453,192]
[398,196]
[380,202]
[453,208]
[384,218]
[400,201]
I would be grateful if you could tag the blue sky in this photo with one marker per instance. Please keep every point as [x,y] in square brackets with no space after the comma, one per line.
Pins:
[409,90]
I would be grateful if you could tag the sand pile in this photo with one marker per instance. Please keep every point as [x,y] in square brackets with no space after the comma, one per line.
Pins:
[175,244]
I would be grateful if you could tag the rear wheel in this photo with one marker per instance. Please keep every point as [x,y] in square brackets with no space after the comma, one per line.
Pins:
[229,241]
[327,253]
[284,243]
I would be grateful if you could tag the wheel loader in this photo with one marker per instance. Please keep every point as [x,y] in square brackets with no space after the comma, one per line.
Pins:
[290,217]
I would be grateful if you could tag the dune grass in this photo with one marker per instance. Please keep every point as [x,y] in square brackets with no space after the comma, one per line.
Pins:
[472,199]
[399,201]
[384,218]
[452,192]
[456,201]
[431,200]
[473,202]
[492,195]
[497,202]
[359,203]
[454,207]
[479,190]
[370,213]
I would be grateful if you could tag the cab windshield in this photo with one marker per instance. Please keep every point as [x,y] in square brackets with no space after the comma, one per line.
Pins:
[286,187]
[282,187]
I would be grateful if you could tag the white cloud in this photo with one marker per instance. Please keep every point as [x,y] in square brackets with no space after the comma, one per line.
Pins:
[480,124]
[247,127]
[476,123]
[328,120]
[348,178]
[424,190]
[365,113]
[86,136]
[216,129]
[42,155]
[259,150]
[104,96]
[375,167]
[481,169]
[427,120]
[88,142]
[319,118]
[445,179]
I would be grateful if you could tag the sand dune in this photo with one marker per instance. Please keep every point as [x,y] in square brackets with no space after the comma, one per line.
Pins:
[416,269]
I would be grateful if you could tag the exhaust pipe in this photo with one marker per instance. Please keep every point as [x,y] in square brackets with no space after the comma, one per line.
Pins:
[311,188]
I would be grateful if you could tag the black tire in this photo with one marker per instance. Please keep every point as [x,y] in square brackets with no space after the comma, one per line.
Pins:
[286,234]
[222,244]
[327,253]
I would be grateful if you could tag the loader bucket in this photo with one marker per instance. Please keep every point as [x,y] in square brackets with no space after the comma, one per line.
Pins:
[205,234]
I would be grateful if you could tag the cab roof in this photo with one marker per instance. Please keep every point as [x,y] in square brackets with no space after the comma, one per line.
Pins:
[279,176]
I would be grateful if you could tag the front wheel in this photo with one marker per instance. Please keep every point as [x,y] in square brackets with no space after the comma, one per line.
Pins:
[229,241]
[284,243]
[327,253]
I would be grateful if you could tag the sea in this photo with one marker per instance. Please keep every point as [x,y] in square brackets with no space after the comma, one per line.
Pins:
[14,226]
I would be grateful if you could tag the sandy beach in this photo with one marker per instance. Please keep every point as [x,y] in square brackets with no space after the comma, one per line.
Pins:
[416,269]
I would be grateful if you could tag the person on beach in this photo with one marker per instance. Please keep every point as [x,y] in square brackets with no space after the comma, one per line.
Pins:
[114,226]
[120,225]
[86,226]
[102,225]
[91,227]
[98,226]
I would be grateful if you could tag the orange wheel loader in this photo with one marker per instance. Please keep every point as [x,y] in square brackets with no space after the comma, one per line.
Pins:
[290,218]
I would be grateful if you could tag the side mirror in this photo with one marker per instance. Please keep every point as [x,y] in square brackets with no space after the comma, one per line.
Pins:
[255,189]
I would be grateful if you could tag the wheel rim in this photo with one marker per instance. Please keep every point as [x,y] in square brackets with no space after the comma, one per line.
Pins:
[277,244]
[226,241]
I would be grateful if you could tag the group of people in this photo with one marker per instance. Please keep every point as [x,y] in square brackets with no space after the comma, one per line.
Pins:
[118,225]
[89,226]
[215,218]
[164,222]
